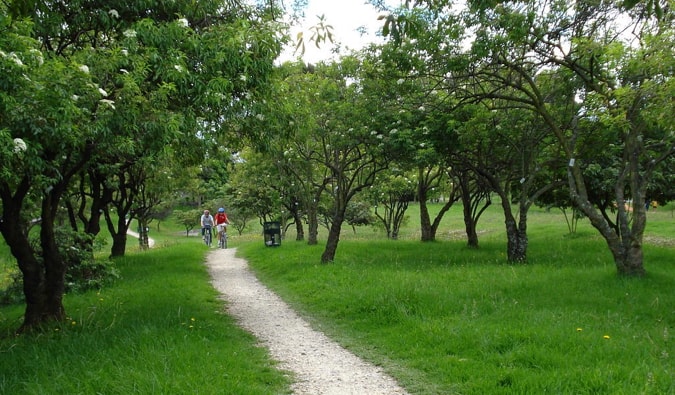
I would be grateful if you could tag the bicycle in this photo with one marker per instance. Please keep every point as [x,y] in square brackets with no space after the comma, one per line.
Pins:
[207,235]
[222,236]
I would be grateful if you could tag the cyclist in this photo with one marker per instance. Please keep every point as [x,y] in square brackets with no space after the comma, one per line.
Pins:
[221,224]
[206,221]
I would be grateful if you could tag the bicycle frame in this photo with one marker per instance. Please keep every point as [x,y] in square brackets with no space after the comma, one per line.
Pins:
[207,235]
[222,235]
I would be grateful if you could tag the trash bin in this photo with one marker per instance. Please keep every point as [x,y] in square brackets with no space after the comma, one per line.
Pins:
[272,233]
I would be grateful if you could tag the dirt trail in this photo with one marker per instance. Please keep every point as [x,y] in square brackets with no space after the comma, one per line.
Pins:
[319,365]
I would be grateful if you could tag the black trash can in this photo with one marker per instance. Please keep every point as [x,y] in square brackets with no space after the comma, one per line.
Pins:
[272,233]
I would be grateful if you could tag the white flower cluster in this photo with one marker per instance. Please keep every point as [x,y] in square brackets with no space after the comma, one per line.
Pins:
[108,103]
[35,54]
[104,101]
[19,145]
[38,56]
[13,57]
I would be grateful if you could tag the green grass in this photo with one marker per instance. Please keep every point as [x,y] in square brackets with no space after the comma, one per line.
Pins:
[7,265]
[441,318]
[446,319]
[159,330]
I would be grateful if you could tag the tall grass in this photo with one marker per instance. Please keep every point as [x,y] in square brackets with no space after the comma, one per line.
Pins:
[445,319]
[159,330]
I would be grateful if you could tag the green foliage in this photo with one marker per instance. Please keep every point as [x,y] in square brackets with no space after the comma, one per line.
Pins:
[321,34]
[359,213]
[12,288]
[239,219]
[105,103]
[189,219]
[84,271]
[91,274]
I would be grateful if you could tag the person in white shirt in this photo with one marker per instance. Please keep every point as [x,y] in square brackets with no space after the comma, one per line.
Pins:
[206,220]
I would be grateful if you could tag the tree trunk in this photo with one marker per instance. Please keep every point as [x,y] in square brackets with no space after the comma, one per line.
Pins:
[34,281]
[143,241]
[55,267]
[333,239]
[385,219]
[119,235]
[516,234]
[299,228]
[119,245]
[470,229]
[625,239]
[400,208]
[428,180]
[313,225]
[626,248]
[43,282]
[516,249]
[427,232]
[630,260]
[469,208]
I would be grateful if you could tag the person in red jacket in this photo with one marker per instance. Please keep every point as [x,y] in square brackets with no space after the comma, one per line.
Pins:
[221,224]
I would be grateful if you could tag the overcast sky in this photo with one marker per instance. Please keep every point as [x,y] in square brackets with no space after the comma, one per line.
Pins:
[346,16]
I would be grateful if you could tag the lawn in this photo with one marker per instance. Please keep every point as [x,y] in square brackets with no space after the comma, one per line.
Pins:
[160,329]
[444,319]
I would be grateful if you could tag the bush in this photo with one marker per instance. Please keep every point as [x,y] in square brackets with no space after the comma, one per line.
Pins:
[84,271]
[13,294]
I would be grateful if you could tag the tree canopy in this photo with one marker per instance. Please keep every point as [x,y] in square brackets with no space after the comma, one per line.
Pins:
[94,95]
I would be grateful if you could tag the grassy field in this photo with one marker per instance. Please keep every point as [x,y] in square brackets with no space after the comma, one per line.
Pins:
[441,318]
[159,330]
[445,319]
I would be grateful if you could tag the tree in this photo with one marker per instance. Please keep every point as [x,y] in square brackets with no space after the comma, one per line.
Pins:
[476,197]
[98,77]
[504,149]
[189,219]
[616,67]
[251,188]
[413,113]
[349,150]
[621,86]
[326,147]
[58,143]
[294,144]
[392,192]
[359,213]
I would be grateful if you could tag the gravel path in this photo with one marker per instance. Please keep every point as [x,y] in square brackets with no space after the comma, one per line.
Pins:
[319,365]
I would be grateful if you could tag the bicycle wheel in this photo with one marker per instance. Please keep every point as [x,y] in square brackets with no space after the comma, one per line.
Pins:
[223,240]
[207,237]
